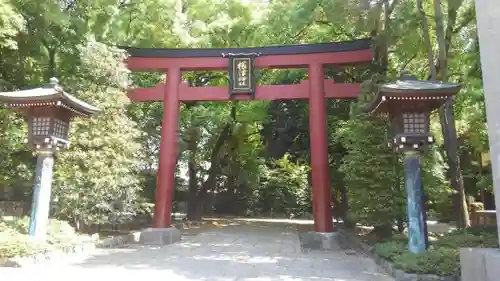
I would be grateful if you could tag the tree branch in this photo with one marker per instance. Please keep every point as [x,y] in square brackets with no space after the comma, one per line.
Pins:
[301,32]
[408,61]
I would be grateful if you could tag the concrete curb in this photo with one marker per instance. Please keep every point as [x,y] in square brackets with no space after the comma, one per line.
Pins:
[349,239]
[83,247]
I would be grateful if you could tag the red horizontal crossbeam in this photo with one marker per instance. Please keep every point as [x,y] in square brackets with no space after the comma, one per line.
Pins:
[265,92]
[272,61]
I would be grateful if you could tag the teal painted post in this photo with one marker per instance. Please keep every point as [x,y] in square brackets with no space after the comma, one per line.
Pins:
[414,203]
[40,206]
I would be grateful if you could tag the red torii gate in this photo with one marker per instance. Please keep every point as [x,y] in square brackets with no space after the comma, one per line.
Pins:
[316,89]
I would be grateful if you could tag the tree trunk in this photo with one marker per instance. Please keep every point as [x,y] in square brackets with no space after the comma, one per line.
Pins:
[193,212]
[195,204]
[51,53]
[482,188]
[446,116]
[195,208]
[344,201]
[447,120]
[51,71]
[192,206]
[383,34]
[427,40]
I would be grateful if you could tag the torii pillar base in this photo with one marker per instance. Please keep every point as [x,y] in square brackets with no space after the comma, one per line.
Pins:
[159,236]
[323,241]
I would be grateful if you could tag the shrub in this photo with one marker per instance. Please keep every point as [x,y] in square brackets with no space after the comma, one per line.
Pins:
[442,258]
[350,220]
[60,233]
[466,238]
[14,224]
[14,240]
[482,229]
[400,237]
[18,246]
[390,250]
[440,261]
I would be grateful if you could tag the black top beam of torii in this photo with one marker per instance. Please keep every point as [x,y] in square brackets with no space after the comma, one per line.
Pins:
[297,49]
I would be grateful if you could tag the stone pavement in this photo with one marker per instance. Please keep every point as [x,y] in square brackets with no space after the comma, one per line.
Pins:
[245,252]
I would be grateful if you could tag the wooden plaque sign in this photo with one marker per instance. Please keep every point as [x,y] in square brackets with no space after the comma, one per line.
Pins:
[241,74]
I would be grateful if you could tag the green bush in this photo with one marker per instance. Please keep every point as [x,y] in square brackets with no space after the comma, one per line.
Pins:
[482,229]
[466,238]
[19,245]
[442,257]
[60,233]
[14,240]
[350,220]
[440,261]
[400,237]
[14,224]
[390,250]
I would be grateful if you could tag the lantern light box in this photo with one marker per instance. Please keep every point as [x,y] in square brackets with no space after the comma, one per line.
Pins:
[409,103]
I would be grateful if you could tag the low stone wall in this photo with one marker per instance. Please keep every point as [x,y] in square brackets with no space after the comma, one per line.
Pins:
[87,245]
[349,239]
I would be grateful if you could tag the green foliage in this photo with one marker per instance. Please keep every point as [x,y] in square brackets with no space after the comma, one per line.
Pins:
[19,246]
[350,220]
[442,257]
[379,201]
[11,23]
[443,261]
[285,189]
[440,261]
[14,241]
[96,180]
[390,250]
[15,166]
[473,237]
[481,230]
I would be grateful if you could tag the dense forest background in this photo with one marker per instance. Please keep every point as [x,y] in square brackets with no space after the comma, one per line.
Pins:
[242,158]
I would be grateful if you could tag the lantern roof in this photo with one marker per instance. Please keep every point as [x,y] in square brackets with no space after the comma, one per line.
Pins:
[50,94]
[422,94]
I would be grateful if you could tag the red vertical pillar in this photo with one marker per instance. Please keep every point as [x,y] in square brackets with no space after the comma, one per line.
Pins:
[321,194]
[168,151]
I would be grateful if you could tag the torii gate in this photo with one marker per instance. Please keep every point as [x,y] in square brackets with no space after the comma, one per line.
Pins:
[240,63]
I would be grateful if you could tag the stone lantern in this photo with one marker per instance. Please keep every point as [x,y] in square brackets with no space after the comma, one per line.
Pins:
[409,103]
[48,110]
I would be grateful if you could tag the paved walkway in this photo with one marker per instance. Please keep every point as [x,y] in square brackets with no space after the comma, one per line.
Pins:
[256,252]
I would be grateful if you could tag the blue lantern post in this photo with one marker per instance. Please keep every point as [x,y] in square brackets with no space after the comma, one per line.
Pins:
[408,103]
[40,205]
[49,111]
[414,203]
